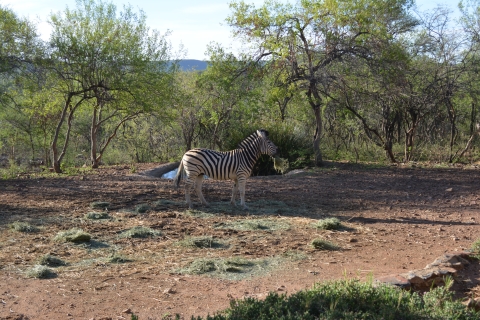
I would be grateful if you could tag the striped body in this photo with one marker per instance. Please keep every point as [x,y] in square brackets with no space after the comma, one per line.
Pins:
[233,165]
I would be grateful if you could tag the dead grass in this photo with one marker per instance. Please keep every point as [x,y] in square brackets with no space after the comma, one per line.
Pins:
[201,242]
[328,224]
[142,208]
[139,232]
[321,244]
[51,261]
[99,205]
[233,268]
[254,225]
[97,215]
[75,235]
[40,272]
[20,226]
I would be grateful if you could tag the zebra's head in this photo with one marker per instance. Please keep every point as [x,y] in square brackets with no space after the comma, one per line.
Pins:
[266,145]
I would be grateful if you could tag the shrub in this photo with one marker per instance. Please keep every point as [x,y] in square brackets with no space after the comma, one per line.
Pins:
[349,299]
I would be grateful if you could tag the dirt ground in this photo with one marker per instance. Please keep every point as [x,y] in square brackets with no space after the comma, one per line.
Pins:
[395,219]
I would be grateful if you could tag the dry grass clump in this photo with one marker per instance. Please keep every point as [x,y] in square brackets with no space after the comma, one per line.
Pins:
[328,224]
[321,244]
[99,205]
[200,242]
[254,225]
[139,232]
[73,235]
[97,215]
[22,227]
[115,258]
[40,272]
[51,261]
[142,208]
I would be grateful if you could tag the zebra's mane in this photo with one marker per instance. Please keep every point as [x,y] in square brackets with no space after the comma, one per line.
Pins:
[251,138]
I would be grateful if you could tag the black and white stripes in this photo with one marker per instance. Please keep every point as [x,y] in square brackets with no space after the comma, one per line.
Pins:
[233,165]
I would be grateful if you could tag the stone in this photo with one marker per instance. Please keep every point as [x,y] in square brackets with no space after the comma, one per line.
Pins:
[394,280]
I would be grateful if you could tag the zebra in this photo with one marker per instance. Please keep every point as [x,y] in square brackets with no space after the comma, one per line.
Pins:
[233,165]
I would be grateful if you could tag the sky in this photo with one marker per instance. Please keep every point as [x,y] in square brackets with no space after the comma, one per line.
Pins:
[193,24]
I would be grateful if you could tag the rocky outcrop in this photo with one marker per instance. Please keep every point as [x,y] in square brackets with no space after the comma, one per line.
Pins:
[432,275]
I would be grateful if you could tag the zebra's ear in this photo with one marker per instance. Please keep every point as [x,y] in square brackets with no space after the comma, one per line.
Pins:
[262,133]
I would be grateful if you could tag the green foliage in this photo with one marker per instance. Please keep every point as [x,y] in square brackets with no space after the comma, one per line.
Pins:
[349,299]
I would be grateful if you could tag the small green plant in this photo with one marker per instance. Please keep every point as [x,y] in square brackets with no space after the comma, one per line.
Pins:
[97,215]
[142,208]
[40,272]
[139,232]
[328,224]
[99,205]
[51,261]
[476,249]
[73,235]
[22,227]
[321,244]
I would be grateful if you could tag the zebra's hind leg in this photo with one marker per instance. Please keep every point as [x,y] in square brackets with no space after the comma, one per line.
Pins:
[234,191]
[241,186]
[188,187]
[198,188]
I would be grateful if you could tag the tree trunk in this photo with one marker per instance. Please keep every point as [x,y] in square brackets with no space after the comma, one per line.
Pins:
[93,140]
[317,137]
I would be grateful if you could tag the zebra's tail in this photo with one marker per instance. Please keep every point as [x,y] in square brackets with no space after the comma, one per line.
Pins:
[179,176]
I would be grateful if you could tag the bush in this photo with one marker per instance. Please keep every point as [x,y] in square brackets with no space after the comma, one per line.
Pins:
[350,299]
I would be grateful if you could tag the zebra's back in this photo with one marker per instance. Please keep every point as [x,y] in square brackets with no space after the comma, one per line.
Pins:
[219,165]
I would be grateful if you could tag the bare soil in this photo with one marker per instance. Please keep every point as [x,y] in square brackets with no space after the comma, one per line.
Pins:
[395,219]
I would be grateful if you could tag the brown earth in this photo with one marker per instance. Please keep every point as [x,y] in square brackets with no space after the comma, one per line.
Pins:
[395,219]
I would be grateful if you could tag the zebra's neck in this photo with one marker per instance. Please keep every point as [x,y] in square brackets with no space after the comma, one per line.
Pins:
[250,153]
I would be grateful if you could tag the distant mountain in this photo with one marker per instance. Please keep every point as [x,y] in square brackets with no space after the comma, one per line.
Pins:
[192,65]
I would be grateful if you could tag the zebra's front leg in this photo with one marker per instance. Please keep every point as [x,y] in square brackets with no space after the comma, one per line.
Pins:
[241,186]
[198,188]
[234,191]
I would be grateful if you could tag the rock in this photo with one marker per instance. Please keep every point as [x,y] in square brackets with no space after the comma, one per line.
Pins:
[128,311]
[449,190]
[394,280]
[451,261]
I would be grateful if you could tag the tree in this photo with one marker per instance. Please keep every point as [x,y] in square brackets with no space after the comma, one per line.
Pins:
[110,63]
[308,39]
